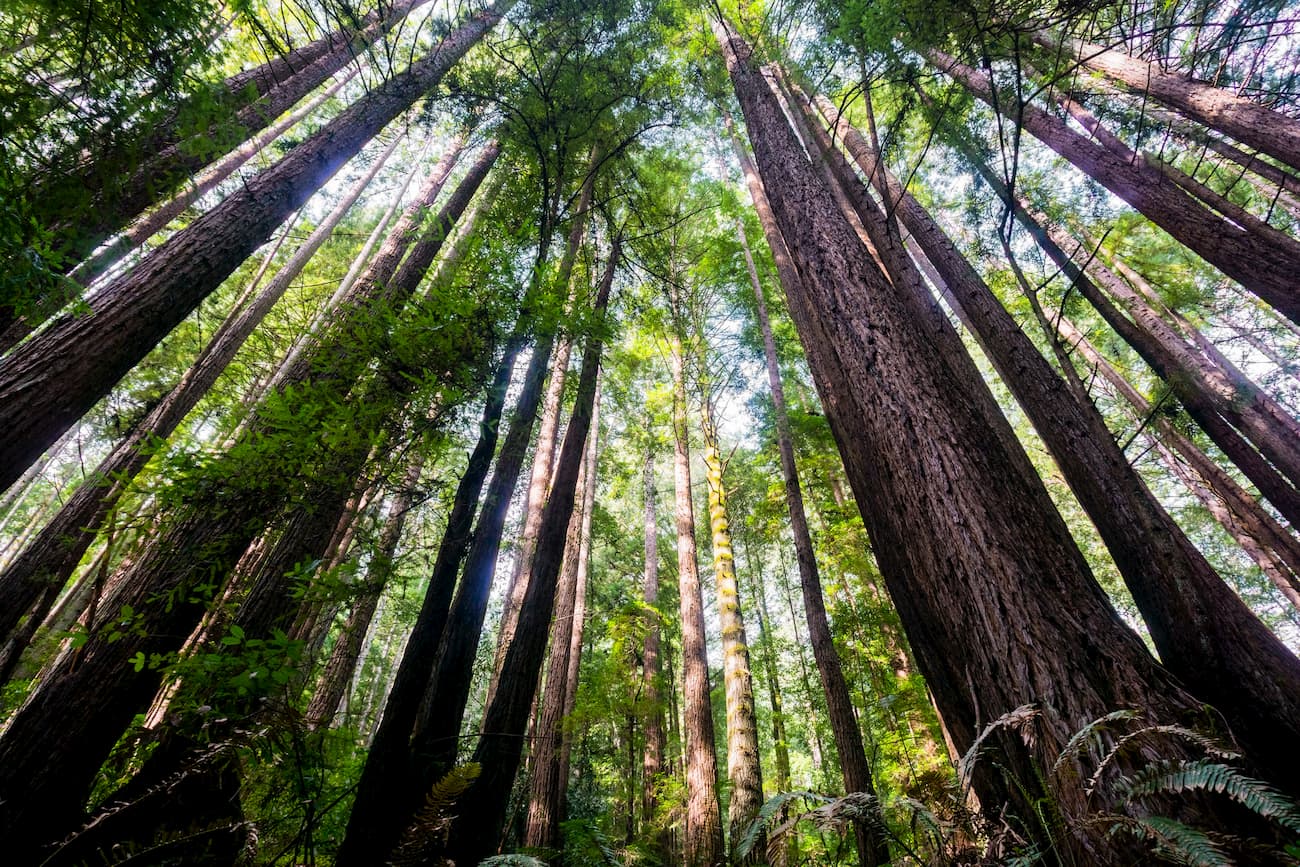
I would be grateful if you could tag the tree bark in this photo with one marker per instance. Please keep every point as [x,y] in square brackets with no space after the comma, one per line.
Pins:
[343,659]
[1261,262]
[703,845]
[960,531]
[33,580]
[169,157]
[547,786]
[133,314]
[873,847]
[153,222]
[1248,122]
[476,831]
[51,751]
[1281,493]
[1275,549]
[539,480]
[388,757]
[1205,634]
[652,764]
[743,767]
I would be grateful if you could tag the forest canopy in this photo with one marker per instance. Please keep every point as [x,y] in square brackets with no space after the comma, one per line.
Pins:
[618,432]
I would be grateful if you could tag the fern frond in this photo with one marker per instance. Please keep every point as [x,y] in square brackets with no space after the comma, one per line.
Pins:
[1017,720]
[1208,744]
[1077,740]
[770,808]
[1176,841]
[514,859]
[432,818]
[1179,776]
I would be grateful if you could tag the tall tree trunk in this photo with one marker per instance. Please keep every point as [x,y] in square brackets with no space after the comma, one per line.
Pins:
[476,831]
[153,222]
[652,764]
[703,839]
[579,614]
[906,403]
[407,759]
[1260,261]
[1204,632]
[1281,493]
[1275,549]
[767,646]
[547,786]
[56,742]
[133,314]
[111,201]
[343,659]
[1248,122]
[32,581]
[743,764]
[388,757]
[539,480]
[873,847]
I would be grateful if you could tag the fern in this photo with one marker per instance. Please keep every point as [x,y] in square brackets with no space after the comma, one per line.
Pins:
[514,859]
[1075,744]
[1176,841]
[770,808]
[1208,744]
[432,819]
[1202,775]
[1017,720]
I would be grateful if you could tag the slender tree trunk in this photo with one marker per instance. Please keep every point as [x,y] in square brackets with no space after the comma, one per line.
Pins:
[652,764]
[579,613]
[388,758]
[703,840]
[1284,496]
[1262,262]
[1204,632]
[780,741]
[743,765]
[476,831]
[150,224]
[1248,122]
[52,753]
[547,786]
[168,159]
[539,480]
[906,404]
[346,653]
[1274,548]
[873,848]
[133,314]
[31,582]
[415,755]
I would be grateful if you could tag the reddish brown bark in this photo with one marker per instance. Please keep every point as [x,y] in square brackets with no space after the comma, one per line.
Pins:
[476,831]
[652,764]
[702,841]
[129,317]
[960,531]
[547,785]
[1204,632]
[1262,262]
[1248,122]
[872,846]
[169,156]
[51,753]
[31,582]
[539,480]
[346,653]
